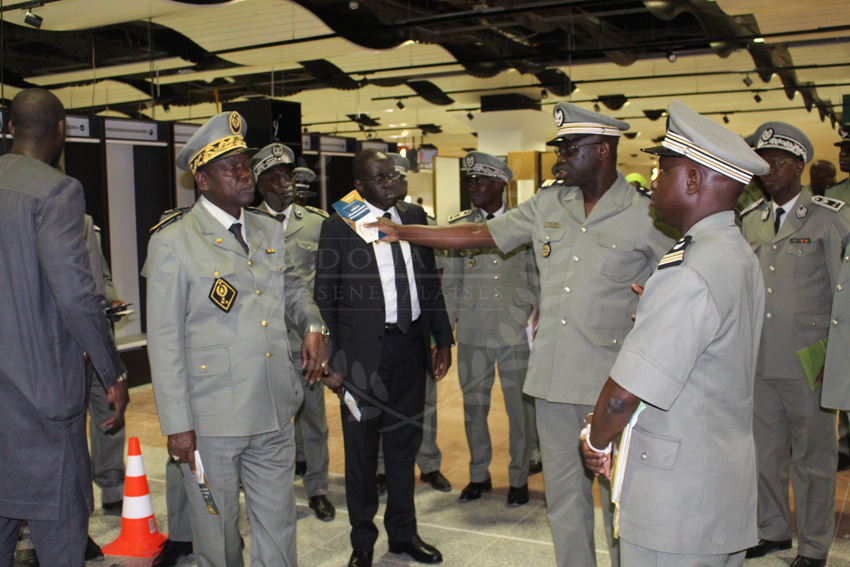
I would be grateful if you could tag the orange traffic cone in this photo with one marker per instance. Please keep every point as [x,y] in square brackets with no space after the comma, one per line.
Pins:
[139,536]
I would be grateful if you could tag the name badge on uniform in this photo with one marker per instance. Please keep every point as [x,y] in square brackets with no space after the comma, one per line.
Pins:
[551,225]
[547,249]
[223,295]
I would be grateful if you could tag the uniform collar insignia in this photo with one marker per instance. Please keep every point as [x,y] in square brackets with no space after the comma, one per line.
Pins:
[298,212]
[765,214]
[802,211]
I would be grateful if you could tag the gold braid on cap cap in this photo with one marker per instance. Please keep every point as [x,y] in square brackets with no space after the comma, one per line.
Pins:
[488,170]
[214,150]
[270,161]
[682,145]
[588,128]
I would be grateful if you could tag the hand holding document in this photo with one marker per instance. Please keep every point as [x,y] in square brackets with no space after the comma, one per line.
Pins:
[812,359]
[353,210]
[204,485]
[620,461]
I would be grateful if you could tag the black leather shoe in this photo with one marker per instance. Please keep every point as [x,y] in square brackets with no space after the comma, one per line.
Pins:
[382,484]
[93,550]
[112,508]
[418,550]
[360,559]
[801,561]
[535,467]
[170,552]
[766,546]
[325,511]
[518,496]
[843,461]
[437,481]
[300,468]
[473,490]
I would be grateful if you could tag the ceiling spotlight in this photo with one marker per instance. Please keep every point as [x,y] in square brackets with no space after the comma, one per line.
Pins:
[596,107]
[305,130]
[166,107]
[748,81]
[470,116]
[671,57]
[400,105]
[544,94]
[33,20]
[757,98]
[758,40]
[725,119]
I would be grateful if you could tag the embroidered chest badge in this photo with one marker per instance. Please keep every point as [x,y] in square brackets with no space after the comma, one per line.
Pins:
[223,295]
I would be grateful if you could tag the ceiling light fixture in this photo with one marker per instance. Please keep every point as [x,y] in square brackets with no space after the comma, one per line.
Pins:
[758,40]
[400,105]
[725,119]
[596,107]
[544,94]
[470,116]
[166,107]
[671,56]
[748,81]
[757,98]
[33,20]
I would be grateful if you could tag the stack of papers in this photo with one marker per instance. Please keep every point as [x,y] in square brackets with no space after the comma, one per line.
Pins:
[618,475]
[353,210]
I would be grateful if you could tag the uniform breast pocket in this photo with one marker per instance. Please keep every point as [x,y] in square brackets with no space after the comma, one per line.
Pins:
[806,258]
[620,262]
[211,388]
[651,484]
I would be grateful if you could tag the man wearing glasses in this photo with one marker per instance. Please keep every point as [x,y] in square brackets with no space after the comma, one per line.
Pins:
[593,238]
[381,302]
[798,239]
[273,170]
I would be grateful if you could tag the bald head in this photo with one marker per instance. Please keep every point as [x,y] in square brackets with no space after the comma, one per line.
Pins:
[36,110]
[821,175]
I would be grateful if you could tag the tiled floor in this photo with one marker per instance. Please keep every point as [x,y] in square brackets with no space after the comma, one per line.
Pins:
[485,533]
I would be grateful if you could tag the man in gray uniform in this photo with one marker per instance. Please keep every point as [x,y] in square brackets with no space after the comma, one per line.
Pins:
[798,239]
[592,237]
[841,190]
[221,366]
[107,445]
[491,295]
[272,167]
[689,491]
[52,317]
[303,176]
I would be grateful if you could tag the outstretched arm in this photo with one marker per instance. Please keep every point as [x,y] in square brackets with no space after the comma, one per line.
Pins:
[455,237]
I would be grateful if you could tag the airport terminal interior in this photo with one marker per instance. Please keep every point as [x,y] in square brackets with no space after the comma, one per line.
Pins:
[432,80]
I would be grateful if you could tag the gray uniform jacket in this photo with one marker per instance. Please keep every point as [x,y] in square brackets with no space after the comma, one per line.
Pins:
[97,262]
[840,191]
[586,268]
[302,248]
[836,372]
[800,266]
[51,315]
[690,481]
[222,374]
[489,293]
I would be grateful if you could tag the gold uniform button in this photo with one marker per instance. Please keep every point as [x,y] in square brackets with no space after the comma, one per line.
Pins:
[259,292]
[568,289]
[268,355]
[563,321]
[772,269]
[265,324]
[280,268]
[770,290]
[616,342]
[216,274]
[584,229]
[495,277]
[769,316]
[838,287]
[775,246]
[203,367]
[495,262]
[643,456]
[834,322]
[497,296]
[575,258]
[250,262]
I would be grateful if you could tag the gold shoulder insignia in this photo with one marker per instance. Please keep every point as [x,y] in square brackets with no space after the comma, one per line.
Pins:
[676,255]
[644,191]
[832,204]
[550,183]
[258,211]
[752,207]
[169,217]
[461,214]
[317,211]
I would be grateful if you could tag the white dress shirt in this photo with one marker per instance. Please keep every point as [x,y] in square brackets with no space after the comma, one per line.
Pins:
[287,211]
[787,207]
[502,210]
[226,219]
[386,267]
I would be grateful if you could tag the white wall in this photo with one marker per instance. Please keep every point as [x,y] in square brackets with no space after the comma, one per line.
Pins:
[447,187]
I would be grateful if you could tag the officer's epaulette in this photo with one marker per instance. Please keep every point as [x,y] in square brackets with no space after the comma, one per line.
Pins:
[258,211]
[317,211]
[550,182]
[643,191]
[676,255]
[752,207]
[169,217]
[831,204]
[461,214]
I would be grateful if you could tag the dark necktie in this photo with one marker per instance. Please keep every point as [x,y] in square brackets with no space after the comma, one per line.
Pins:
[777,218]
[236,229]
[281,217]
[490,216]
[402,286]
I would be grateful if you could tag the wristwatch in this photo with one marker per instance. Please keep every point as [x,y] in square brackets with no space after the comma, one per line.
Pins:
[122,378]
[322,330]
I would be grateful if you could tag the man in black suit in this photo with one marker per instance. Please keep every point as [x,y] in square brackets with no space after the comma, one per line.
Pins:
[381,303]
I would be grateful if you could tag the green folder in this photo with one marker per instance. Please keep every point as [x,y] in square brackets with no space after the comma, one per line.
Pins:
[811,359]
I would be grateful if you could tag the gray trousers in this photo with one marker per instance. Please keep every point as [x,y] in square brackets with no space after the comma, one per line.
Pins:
[531,425]
[311,437]
[476,367]
[265,464]
[569,487]
[107,445]
[636,556]
[788,419]
[428,458]
[61,542]
[177,503]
